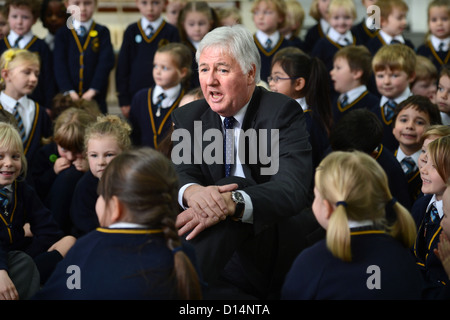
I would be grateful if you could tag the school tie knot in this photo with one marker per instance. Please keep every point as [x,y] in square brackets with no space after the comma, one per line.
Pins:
[344,100]
[408,165]
[395,41]
[81,31]
[161,97]
[268,45]
[149,31]
[433,214]
[389,109]
[16,43]
[441,47]
[4,200]
[20,126]
[228,123]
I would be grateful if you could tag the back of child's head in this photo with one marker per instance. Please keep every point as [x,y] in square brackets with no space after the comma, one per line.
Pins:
[359,130]
[347,5]
[146,183]
[61,102]
[358,58]
[421,104]
[278,5]
[10,140]
[297,64]
[425,70]
[295,16]
[70,127]
[437,130]
[395,57]
[12,58]
[182,57]
[33,5]
[231,14]
[387,6]
[439,154]
[111,126]
[358,186]
[200,7]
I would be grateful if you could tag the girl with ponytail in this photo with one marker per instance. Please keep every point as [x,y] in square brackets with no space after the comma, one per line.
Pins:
[305,80]
[136,253]
[365,254]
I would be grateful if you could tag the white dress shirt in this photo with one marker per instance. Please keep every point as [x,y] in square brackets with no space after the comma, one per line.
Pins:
[26,109]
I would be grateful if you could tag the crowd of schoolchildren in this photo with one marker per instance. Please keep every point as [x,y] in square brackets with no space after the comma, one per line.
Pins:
[76,191]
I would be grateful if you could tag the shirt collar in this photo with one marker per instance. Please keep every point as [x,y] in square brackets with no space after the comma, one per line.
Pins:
[437,204]
[339,37]
[406,94]
[155,24]
[401,155]
[9,103]
[12,37]
[171,95]
[87,24]
[388,38]
[324,25]
[354,93]
[435,41]
[302,103]
[262,37]
[239,116]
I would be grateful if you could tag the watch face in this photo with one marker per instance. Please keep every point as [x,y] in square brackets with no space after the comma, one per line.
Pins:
[238,197]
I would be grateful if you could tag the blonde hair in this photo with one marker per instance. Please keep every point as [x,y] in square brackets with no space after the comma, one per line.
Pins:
[295,14]
[314,11]
[425,69]
[439,130]
[10,139]
[280,7]
[439,153]
[395,57]
[11,58]
[231,12]
[348,5]
[70,128]
[110,125]
[359,187]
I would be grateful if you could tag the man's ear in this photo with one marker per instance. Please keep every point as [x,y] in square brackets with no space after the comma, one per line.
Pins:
[251,75]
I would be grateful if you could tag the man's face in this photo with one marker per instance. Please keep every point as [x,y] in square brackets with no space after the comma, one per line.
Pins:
[225,87]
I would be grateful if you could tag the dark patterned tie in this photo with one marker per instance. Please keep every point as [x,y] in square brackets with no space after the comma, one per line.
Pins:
[149,31]
[344,100]
[408,166]
[268,45]
[389,108]
[16,43]
[441,47]
[4,197]
[228,142]
[20,126]
[158,105]
[433,214]
[81,31]
[395,41]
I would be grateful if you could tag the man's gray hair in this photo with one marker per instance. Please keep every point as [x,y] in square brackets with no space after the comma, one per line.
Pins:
[237,41]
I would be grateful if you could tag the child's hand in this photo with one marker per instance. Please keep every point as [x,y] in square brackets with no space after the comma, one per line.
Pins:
[443,252]
[63,245]
[74,95]
[81,164]
[125,111]
[61,164]
[89,94]
[27,230]
[8,290]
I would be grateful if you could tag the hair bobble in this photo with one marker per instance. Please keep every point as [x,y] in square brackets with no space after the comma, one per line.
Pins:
[341,203]
[176,249]
[392,202]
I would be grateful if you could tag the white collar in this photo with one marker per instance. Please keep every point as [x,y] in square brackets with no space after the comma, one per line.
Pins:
[435,41]
[239,116]
[12,37]
[302,103]
[357,224]
[401,155]
[437,204]
[354,93]
[87,24]
[171,95]
[126,225]
[262,37]
[339,37]
[9,103]
[405,94]
[445,118]
[324,25]
[155,24]
[388,38]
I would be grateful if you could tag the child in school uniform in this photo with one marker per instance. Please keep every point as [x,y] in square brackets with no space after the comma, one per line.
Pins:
[151,108]
[443,247]
[425,82]
[436,46]
[443,94]
[19,76]
[136,253]
[293,25]
[351,194]
[352,71]
[394,70]
[84,57]
[103,141]
[4,25]
[305,79]
[362,130]
[412,117]
[269,18]
[134,63]
[20,205]
[196,19]
[366,29]
[22,15]
[392,25]
[53,17]
[341,14]
[63,150]
[319,12]
[427,213]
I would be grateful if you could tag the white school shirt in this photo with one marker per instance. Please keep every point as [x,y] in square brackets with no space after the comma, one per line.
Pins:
[155,24]
[262,37]
[435,41]
[405,95]
[354,93]
[342,39]
[236,169]
[12,37]
[437,204]
[414,156]
[388,38]
[26,109]
[171,95]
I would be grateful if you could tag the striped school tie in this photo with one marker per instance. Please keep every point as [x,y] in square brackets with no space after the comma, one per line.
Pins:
[20,126]
[389,108]
[158,105]
[433,214]
[228,142]
[268,45]
[16,43]
[344,100]
[408,165]
[150,31]
[81,31]
[4,197]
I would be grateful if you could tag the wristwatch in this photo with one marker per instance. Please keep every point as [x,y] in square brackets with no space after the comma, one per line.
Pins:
[238,198]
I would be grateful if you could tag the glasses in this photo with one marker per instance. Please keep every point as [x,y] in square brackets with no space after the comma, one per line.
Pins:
[276,78]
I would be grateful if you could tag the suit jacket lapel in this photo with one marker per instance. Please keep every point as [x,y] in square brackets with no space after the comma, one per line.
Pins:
[211,120]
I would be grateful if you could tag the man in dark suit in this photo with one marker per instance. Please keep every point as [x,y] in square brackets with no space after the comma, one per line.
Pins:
[246,226]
